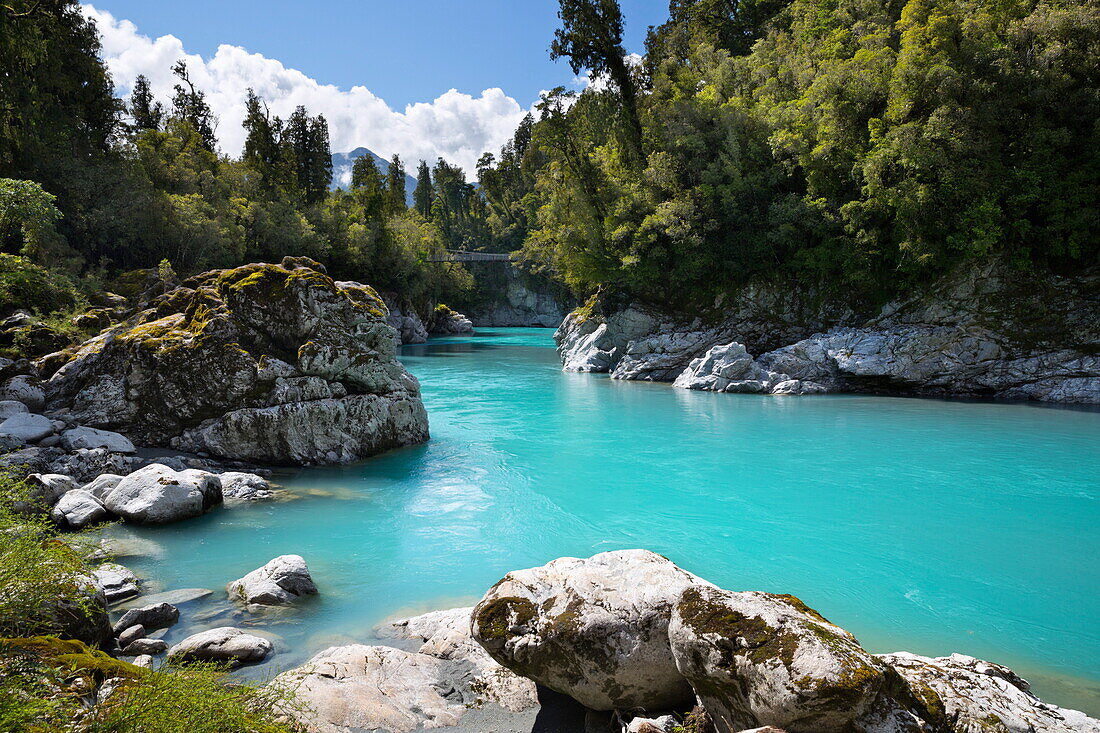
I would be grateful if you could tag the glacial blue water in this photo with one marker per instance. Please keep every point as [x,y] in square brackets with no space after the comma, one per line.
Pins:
[927,525]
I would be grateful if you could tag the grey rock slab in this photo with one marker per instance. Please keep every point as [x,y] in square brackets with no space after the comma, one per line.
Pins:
[176,597]
[84,437]
[152,616]
[27,426]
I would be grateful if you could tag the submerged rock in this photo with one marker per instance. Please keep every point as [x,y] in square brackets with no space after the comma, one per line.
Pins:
[281,581]
[594,629]
[263,363]
[118,582]
[223,644]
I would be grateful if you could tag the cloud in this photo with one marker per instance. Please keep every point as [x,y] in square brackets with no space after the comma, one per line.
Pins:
[455,126]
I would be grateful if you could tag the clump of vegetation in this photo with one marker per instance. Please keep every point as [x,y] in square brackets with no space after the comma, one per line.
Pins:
[44,583]
[49,683]
[23,284]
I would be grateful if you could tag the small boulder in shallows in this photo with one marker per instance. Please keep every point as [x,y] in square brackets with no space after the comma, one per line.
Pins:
[281,581]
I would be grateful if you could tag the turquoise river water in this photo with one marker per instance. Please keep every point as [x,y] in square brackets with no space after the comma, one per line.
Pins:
[926,525]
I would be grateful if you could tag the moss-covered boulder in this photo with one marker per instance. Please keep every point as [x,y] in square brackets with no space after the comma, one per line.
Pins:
[265,363]
[758,659]
[594,629]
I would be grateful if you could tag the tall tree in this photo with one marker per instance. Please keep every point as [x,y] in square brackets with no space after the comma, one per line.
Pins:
[261,145]
[189,105]
[423,197]
[395,185]
[591,37]
[305,143]
[146,113]
[368,186]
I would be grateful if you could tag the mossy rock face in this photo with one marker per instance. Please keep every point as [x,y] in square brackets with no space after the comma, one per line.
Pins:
[193,370]
[594,629]
[759,659]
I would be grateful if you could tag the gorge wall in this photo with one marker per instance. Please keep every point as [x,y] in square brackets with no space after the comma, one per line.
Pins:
[988,331]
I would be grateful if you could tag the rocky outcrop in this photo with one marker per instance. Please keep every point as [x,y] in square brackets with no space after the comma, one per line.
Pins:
[361,687]
[224,644]
[594,629]
[447,322]
[509,297]
[977,697]
[281,581]
[981,332]
[262,363]
[403,318]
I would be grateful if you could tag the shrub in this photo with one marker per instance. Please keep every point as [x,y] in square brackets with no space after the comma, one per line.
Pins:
[24,284]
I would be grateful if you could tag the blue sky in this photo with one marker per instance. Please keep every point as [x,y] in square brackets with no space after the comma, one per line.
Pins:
[403,51]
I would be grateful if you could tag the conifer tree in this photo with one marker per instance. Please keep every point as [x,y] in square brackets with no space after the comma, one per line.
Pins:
[395,185]
[423,196]
[145,111]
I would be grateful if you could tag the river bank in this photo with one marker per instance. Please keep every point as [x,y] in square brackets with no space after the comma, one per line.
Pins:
[823,508]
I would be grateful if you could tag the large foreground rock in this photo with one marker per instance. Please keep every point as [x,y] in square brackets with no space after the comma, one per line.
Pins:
[281,581]
[263,363]
[760,659]
[594,629]
[223,644]
[157,495]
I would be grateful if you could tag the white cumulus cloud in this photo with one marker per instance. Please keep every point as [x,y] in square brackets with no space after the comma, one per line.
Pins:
[458,127]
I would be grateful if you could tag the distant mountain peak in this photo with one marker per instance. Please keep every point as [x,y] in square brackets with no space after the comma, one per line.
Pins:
[342,163]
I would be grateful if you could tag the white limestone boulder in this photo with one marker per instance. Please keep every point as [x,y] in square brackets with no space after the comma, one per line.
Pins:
[283,580]
[77,509]
[117,582]
[365,688]
[240,486]
[223,644]
[157,495]
[594,629]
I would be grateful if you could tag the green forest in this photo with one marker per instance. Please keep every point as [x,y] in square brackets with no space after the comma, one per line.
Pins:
[858,146]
